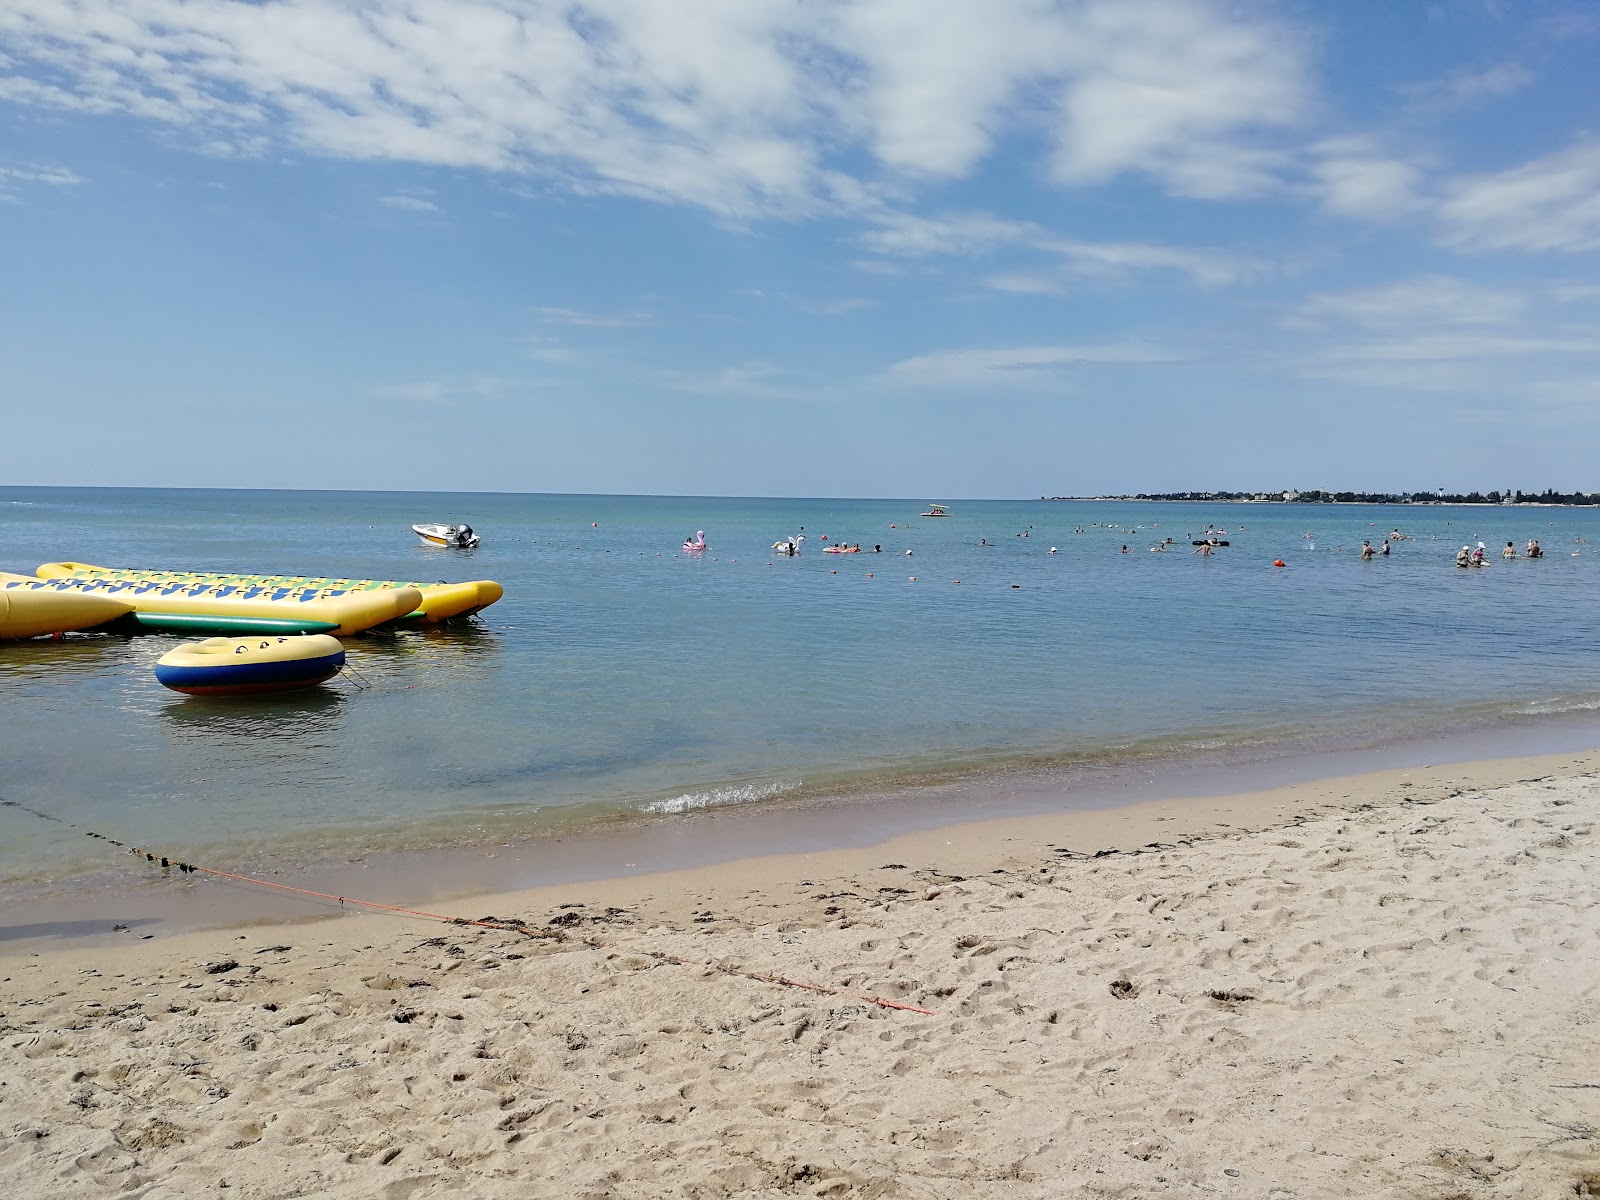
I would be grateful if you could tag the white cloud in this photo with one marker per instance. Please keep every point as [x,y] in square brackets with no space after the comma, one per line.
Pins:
[1169,88]
[1025,285]
[754,381]
[1020,363]
[588,320]
[1469,87]
[744,107]
[52,176]
[841,307]
[15,179]
[409,203]
[1356,179]
[974,234]
[1439,299]
[1548,205]
[1442,333]
[1463,347]
[936,78]
[953,233]
[445,389]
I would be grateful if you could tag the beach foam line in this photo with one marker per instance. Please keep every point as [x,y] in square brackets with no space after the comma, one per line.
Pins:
[721,797]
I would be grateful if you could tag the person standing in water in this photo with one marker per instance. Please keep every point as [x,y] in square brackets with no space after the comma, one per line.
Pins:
[1509,552]
[1366,551]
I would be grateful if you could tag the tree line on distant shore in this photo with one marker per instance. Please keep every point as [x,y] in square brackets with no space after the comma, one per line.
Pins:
[1548,496]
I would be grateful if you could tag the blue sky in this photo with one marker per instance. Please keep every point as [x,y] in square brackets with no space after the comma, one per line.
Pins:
[800,247]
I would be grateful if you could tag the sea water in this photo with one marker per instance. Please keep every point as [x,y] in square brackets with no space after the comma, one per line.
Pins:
[622,676]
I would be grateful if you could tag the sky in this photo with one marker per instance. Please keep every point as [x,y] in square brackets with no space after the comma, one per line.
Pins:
[1006,248]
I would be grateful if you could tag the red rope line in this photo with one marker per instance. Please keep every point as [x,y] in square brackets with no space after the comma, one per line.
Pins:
[417,912]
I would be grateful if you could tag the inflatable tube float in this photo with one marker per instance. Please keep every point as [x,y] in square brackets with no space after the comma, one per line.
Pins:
[1208,542]
[202,607]
[440,601]
[250,666]
[841,550]
[698,542]
[29,608]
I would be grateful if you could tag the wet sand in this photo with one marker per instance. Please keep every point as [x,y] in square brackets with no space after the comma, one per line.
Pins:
[1376,985]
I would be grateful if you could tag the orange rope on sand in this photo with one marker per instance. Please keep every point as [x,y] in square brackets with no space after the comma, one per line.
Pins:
[168,861]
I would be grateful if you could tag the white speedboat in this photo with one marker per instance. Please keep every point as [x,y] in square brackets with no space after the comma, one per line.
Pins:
[459,536]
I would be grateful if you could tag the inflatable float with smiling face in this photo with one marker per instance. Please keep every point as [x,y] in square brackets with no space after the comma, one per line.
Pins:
[251,666]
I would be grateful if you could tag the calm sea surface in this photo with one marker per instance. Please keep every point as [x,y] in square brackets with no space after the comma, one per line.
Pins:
[620,675]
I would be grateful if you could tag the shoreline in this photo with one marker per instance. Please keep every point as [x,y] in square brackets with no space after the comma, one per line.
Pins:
[606,853]
[1367,985]
[743,839]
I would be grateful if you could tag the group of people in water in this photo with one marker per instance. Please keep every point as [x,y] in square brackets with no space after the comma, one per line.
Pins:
[1472,556]
[1467,556]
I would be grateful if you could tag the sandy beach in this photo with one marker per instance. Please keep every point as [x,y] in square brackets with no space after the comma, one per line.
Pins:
[1382,985]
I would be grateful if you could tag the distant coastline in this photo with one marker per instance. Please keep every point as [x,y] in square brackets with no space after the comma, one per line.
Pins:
[1546,499]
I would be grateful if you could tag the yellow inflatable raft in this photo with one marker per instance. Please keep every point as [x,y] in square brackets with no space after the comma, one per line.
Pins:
[440,601]
[251,666]
[29,608]
[201,607]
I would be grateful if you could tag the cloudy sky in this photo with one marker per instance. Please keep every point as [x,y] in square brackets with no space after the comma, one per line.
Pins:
[801,247]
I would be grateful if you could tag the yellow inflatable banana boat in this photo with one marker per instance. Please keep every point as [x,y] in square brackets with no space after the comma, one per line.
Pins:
[440,601]
[30,607]
[203,607]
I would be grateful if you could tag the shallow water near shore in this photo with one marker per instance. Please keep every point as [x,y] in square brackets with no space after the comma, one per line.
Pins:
[621,678]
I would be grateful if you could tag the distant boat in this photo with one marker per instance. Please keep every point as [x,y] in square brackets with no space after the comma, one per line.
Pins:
[460,536]
[936,510]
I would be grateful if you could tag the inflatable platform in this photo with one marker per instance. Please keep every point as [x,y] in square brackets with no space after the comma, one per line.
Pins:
[439,602]
[30,608]
[200,607]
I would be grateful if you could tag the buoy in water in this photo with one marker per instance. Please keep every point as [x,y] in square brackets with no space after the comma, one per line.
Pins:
[250,666]
[1278,562]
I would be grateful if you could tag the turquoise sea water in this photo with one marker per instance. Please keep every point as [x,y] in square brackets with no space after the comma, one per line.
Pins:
[620,675]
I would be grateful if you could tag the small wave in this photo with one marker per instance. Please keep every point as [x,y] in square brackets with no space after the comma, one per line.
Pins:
[721,797]
[1561,704]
